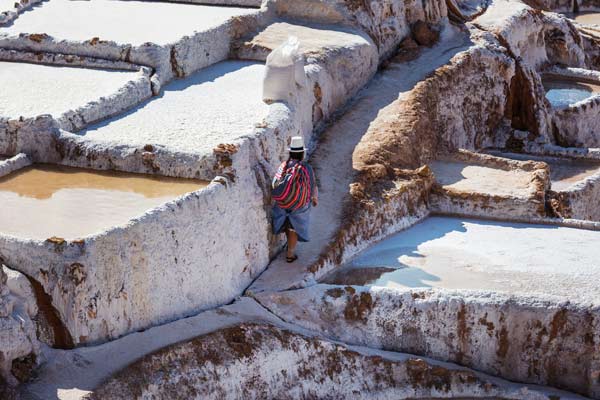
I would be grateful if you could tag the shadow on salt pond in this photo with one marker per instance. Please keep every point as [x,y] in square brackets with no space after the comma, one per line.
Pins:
[454,253]
[42,201]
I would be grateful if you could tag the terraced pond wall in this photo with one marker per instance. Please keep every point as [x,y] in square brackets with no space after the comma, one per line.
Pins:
[521,339]
[266,361]
[578,201]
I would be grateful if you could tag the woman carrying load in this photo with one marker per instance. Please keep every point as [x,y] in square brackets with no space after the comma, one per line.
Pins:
[294,193]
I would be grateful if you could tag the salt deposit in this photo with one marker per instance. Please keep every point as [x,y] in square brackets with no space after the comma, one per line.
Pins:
[564,172]
[6,5]
[469,254]
[126,22]
[72,203]
[215,105]
[30,90]
[475,178]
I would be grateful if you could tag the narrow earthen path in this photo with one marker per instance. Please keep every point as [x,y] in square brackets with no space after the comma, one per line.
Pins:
[333,158]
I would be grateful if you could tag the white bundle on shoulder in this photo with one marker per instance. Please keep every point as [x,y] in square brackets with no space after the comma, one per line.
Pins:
[284,70]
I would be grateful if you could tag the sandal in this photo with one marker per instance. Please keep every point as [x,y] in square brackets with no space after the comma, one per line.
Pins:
[291,259]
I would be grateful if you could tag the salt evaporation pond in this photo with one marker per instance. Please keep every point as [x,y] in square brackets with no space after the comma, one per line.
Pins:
[42,201]
[130,22]
[563,92]
[585,18]
[477,178]
[564,172]
[457,253]
[29,90]
[195,114]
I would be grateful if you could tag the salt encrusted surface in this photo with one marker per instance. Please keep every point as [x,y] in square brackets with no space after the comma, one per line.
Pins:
[314,40]
[125,22]
[522,338]
[465,10]
[74,373]
[465,177]
[17,331]
[492,256]
[196,39]
[193,115]
[6,5]
[10,9]
[580,200]
[387,22]
[536,37]
[266,361]
[14,163]
[30,90]
[67,60]
[577,124]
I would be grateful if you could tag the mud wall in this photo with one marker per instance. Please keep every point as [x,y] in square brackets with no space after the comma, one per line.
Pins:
[518,338]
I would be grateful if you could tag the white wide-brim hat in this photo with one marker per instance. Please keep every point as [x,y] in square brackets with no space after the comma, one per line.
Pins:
[297,144]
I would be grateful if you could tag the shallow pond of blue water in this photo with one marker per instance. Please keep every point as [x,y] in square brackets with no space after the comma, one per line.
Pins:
[561,93]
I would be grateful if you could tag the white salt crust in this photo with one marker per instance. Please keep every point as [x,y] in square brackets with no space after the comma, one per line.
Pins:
[192,115]
[29,90]
[126,22]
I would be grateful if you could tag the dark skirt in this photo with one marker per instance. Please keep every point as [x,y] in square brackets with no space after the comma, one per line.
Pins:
[298,220]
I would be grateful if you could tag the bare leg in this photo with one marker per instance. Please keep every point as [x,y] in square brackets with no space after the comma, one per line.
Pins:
[292,241]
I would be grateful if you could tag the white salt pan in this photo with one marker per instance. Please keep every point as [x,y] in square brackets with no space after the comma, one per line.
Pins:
[481,179]
[126,22]
[30,90]
[470,254]
[6,5]
[217,104]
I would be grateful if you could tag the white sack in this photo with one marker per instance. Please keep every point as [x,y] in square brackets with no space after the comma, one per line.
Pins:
[284,69]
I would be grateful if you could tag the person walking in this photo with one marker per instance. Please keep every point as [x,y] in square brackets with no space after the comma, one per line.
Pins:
[295,192]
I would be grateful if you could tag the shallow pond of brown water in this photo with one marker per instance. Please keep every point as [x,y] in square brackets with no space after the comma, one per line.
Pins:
[585,18]
[42,201]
